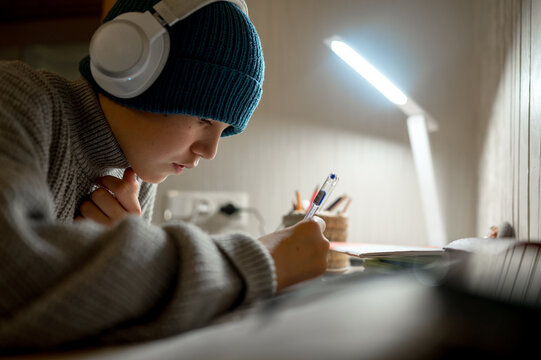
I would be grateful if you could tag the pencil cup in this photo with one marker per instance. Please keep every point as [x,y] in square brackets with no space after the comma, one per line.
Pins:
[336,230]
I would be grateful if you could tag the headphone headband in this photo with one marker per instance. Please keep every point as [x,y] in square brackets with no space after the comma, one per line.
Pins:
[128,53]
[174,10]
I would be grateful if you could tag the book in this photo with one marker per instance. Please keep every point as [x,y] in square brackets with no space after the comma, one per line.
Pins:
[367,250]
[484,245]
[504,269]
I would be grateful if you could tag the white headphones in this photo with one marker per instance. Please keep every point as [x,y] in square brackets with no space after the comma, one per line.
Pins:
[128,53]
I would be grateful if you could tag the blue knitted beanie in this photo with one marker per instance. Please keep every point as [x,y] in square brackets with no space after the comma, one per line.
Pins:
[214,70]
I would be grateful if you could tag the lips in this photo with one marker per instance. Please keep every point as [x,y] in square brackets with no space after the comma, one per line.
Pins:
[177,168]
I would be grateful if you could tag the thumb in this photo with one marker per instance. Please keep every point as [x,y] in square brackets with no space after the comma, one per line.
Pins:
[129,177]
[320,222]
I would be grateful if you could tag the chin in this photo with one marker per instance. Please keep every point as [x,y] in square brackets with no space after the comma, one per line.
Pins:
[156,180]
[152,179]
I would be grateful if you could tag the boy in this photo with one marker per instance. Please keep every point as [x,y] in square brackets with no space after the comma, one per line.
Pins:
[110,275]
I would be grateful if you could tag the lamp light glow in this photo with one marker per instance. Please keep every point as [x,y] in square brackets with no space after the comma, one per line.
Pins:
[369,72]
[419,124]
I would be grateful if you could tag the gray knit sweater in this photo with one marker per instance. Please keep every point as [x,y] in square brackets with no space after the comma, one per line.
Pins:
[62,281]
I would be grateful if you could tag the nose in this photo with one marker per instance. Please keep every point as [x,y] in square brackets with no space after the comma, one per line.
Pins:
[206,148]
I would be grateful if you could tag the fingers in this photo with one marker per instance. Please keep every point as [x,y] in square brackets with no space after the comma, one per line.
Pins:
[299,252]
[108,204]
[320,222]
[90,210]
[129,177]
[116,199]
[103,208]
[125,190]
[315,228]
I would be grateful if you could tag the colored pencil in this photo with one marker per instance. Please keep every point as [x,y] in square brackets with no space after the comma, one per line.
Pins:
[343,211]
[336,203]
[314,194]
[299,202]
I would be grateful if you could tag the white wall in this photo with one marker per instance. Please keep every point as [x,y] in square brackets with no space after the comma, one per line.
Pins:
[317,115]
[509,133]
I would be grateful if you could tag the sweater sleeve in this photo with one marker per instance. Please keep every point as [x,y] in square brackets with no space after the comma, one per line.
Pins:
[147,196]
[135,281]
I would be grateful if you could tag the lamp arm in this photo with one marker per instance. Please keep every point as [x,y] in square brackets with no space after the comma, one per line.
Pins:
[422,157]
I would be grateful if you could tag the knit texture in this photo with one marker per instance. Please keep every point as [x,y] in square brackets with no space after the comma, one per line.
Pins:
[215,67]
[62,281]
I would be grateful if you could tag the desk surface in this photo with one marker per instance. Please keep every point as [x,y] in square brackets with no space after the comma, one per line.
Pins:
[354,316]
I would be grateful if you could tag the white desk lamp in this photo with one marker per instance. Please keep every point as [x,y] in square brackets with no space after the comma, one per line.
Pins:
[419,124]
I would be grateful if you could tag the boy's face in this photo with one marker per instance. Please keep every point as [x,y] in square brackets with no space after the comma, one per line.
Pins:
[158,145]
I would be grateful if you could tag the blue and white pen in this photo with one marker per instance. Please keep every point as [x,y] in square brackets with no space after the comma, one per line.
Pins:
[322,195]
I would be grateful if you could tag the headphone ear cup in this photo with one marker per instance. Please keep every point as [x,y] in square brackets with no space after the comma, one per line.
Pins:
[128,53]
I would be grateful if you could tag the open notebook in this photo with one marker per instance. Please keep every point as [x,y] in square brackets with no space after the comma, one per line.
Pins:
[364,250]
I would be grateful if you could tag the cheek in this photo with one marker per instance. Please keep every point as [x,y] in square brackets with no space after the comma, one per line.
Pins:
[169,143]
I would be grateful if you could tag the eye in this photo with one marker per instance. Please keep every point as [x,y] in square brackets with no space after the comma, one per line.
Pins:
[205,121]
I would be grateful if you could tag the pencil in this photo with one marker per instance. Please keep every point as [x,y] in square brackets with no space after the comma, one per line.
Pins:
[299,203]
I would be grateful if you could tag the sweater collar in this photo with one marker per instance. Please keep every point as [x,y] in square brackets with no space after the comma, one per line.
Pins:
[98,144]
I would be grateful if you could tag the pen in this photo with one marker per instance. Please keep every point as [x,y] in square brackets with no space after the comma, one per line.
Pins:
[322,195]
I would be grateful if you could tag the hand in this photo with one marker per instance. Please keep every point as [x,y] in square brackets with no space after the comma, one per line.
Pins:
[114,200]
[299,252]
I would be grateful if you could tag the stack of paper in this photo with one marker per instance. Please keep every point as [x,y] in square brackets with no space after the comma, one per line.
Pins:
[364,250]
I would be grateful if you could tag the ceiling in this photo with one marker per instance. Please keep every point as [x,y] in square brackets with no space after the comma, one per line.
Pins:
[13,11]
